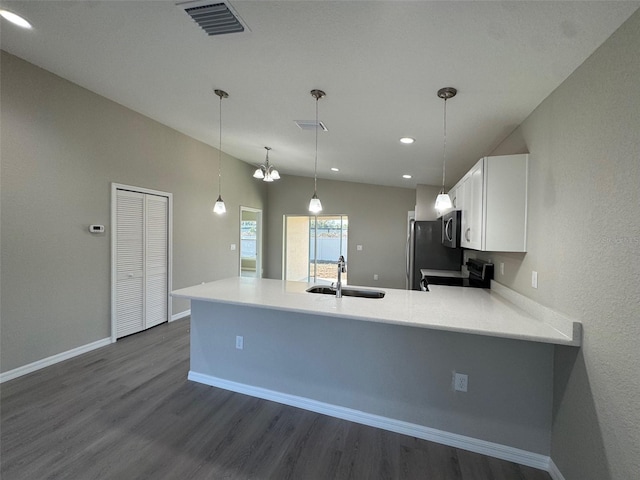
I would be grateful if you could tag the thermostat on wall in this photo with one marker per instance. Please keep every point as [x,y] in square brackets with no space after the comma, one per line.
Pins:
[96,228]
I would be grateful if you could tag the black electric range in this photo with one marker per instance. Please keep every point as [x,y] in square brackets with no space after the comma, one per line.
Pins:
[480,276]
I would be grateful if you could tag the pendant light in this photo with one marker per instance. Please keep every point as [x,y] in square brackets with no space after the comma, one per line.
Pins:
[266,172]
[219,207]
[443,201]
[314,205]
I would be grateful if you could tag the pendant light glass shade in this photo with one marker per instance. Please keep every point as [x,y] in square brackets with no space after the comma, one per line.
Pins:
[220,207]
[314,205]
[443,201]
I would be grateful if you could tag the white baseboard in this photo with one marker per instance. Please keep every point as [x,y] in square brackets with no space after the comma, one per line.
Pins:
[46,362]
[483,447]
[179,315]
[554,471]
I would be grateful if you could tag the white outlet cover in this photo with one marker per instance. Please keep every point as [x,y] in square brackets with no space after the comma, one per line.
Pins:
[359,248]
[534,279]
[460,382]
[233,246]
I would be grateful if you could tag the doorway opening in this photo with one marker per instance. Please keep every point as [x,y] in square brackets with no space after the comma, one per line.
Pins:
[250,242]
[312,247]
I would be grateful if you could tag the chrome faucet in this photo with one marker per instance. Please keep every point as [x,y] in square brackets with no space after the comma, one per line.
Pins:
[342,268]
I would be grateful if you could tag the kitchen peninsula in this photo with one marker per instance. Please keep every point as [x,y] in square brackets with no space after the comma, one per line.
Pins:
[386,362]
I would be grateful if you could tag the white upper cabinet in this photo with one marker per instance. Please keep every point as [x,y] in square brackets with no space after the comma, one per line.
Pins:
[457,196]
[472,207]
[494,204]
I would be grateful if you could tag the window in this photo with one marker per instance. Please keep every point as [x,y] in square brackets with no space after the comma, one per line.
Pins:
[313,245]
[250,245]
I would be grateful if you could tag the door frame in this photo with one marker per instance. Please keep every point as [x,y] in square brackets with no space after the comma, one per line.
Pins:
[114,190]
[258,213]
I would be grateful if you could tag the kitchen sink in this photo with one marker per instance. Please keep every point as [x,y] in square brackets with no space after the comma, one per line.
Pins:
[346,291]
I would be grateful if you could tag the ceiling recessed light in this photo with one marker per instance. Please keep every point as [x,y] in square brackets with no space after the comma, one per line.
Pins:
[407,140]
[406,176]
[15,19]
[334,169]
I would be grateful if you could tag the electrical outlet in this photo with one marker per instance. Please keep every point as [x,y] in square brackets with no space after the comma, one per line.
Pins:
[375,276]
[233,246]
[501,268]
[239,342]
[359,248]
[534,279]
[460,382]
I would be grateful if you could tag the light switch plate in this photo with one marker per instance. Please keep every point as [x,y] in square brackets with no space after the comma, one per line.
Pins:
[534,279]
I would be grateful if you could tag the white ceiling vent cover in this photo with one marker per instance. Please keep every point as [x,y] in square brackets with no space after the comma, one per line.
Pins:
[310,125]
[215,18]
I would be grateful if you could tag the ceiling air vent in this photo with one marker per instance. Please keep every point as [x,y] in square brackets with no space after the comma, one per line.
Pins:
[310,125]
[215,18]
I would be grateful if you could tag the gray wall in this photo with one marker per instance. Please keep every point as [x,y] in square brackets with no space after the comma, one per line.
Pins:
[377,221]
[62,146]
[426,202]
[584,231]
[403,373]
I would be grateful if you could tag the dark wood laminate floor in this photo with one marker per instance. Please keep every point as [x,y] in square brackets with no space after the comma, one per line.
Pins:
[127,411]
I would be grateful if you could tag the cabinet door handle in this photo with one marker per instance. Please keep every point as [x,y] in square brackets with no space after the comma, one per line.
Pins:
[467,235]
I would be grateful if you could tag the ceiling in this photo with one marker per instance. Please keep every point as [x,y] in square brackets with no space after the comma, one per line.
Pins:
[379,62]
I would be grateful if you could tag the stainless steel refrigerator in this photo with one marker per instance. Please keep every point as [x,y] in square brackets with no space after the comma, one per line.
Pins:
[425,250]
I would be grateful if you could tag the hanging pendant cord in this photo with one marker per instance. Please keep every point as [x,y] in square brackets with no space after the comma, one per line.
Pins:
[444,146]
[315,167]
[220,152]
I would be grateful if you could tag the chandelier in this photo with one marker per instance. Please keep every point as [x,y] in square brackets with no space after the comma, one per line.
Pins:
[266,172]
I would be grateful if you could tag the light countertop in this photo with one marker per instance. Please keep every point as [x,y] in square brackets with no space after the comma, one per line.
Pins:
[466,310]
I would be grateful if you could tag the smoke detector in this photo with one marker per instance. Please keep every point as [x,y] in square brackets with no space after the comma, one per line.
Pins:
[215,18]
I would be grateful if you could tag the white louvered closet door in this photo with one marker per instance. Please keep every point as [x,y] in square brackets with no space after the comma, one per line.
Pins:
[142,261]
[129,263]
[156,262]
